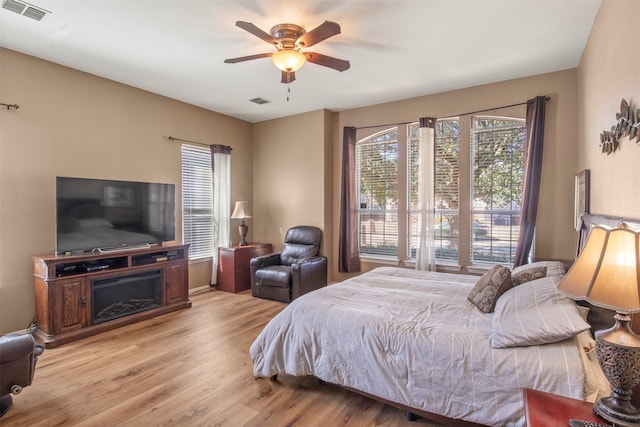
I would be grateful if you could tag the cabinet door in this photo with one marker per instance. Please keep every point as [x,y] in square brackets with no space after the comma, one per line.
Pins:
[71,305]
[176,284]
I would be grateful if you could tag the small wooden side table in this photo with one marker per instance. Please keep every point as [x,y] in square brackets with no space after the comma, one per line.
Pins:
[550,410]
[233,265]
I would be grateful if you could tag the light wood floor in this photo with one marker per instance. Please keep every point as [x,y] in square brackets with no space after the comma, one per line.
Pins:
[187,368]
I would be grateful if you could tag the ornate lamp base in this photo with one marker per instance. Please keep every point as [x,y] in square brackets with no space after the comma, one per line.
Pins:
[618,351]
[243,229]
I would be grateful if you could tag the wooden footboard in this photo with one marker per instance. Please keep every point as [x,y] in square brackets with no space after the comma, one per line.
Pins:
[445,421]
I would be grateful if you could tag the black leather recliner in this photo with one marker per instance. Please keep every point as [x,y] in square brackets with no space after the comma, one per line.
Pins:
[18,356]
[296,270]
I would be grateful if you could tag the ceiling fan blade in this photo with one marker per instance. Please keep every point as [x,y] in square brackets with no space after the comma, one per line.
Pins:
[321,32]
[288,76]
[248,26]
[327,61]
[246,58]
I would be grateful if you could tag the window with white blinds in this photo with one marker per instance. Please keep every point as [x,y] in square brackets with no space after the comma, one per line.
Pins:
[446,189]
[485,153]
[197,201]
[497,173]
[377,191]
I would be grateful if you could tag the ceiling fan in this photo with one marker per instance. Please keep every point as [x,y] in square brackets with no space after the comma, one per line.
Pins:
[289,39]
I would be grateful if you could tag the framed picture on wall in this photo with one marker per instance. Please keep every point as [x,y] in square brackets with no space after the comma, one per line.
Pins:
[581,194]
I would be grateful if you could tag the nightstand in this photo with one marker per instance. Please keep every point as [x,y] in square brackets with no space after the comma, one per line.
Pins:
[233,265]
[549,410]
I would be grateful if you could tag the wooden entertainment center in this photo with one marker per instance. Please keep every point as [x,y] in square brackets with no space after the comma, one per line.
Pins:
[67,289]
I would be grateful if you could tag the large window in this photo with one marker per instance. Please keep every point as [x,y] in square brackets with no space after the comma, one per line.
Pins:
[447,154]
[377,181]
[197,201]
[497,171]
[475,222]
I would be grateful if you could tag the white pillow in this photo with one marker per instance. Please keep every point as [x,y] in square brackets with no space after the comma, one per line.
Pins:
[554,268]
[535,313]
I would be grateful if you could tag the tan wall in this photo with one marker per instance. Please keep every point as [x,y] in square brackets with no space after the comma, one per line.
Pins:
[290,174]
[74,124]
[610,71]
[555,238]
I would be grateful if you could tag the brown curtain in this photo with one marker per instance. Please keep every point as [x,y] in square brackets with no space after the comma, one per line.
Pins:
[348,256]
[532,174]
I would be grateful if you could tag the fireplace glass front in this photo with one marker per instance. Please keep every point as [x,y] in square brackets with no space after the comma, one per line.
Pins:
[121,296]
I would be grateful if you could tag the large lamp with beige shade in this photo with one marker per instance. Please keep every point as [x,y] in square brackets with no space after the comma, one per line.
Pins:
[607,274]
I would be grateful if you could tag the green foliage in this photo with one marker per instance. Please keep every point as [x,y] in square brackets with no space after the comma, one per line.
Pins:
[379,169]
[498,162]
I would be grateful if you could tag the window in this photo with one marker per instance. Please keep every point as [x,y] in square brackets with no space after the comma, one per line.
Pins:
[377,190]
[446,190]
[474,223]
[197,201]
[497,172]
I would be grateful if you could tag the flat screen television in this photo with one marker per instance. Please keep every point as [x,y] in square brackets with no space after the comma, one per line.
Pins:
[100,214]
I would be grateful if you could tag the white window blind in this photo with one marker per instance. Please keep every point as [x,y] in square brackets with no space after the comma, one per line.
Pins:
[197,201]
[497,173]
[447,188]
[377,181]
[414,219]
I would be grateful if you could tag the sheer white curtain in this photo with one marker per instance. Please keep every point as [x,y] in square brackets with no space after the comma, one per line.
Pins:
[426,254]
[221,165]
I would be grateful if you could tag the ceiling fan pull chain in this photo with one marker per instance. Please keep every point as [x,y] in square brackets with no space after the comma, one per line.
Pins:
[288,92]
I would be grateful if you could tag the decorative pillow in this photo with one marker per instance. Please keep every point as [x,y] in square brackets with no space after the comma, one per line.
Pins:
[535,313]
[528,274]
[554,268]
[489,287]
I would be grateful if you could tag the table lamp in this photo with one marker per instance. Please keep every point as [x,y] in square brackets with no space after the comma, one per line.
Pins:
[607,274]
[240,211]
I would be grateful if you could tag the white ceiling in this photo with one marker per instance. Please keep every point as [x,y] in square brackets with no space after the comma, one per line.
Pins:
[398,49]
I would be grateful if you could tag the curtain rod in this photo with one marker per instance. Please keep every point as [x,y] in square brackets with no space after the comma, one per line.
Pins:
[171,138]
[218,148]
[453,115]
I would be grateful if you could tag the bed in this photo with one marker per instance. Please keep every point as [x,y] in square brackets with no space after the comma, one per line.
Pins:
[414,339]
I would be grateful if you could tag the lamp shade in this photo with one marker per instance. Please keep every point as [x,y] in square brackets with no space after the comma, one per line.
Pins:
[607,272]
[288,60]
[241,211]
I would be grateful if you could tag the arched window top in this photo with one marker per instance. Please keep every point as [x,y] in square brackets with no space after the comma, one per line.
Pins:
[386,135]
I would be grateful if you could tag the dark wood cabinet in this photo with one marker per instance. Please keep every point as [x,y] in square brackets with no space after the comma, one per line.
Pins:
[66,287]
[72,299]
[177,276]
[550,410]
[233,265]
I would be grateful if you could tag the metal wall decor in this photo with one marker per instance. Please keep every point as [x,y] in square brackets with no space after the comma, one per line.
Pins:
[627,124]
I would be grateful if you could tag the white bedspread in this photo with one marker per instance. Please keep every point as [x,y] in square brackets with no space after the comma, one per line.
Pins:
[412,337]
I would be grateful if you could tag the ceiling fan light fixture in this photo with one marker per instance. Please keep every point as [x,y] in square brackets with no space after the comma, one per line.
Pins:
[288,60]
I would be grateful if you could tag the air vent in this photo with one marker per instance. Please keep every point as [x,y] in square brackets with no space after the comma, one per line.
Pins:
[259,101]
[25,9]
